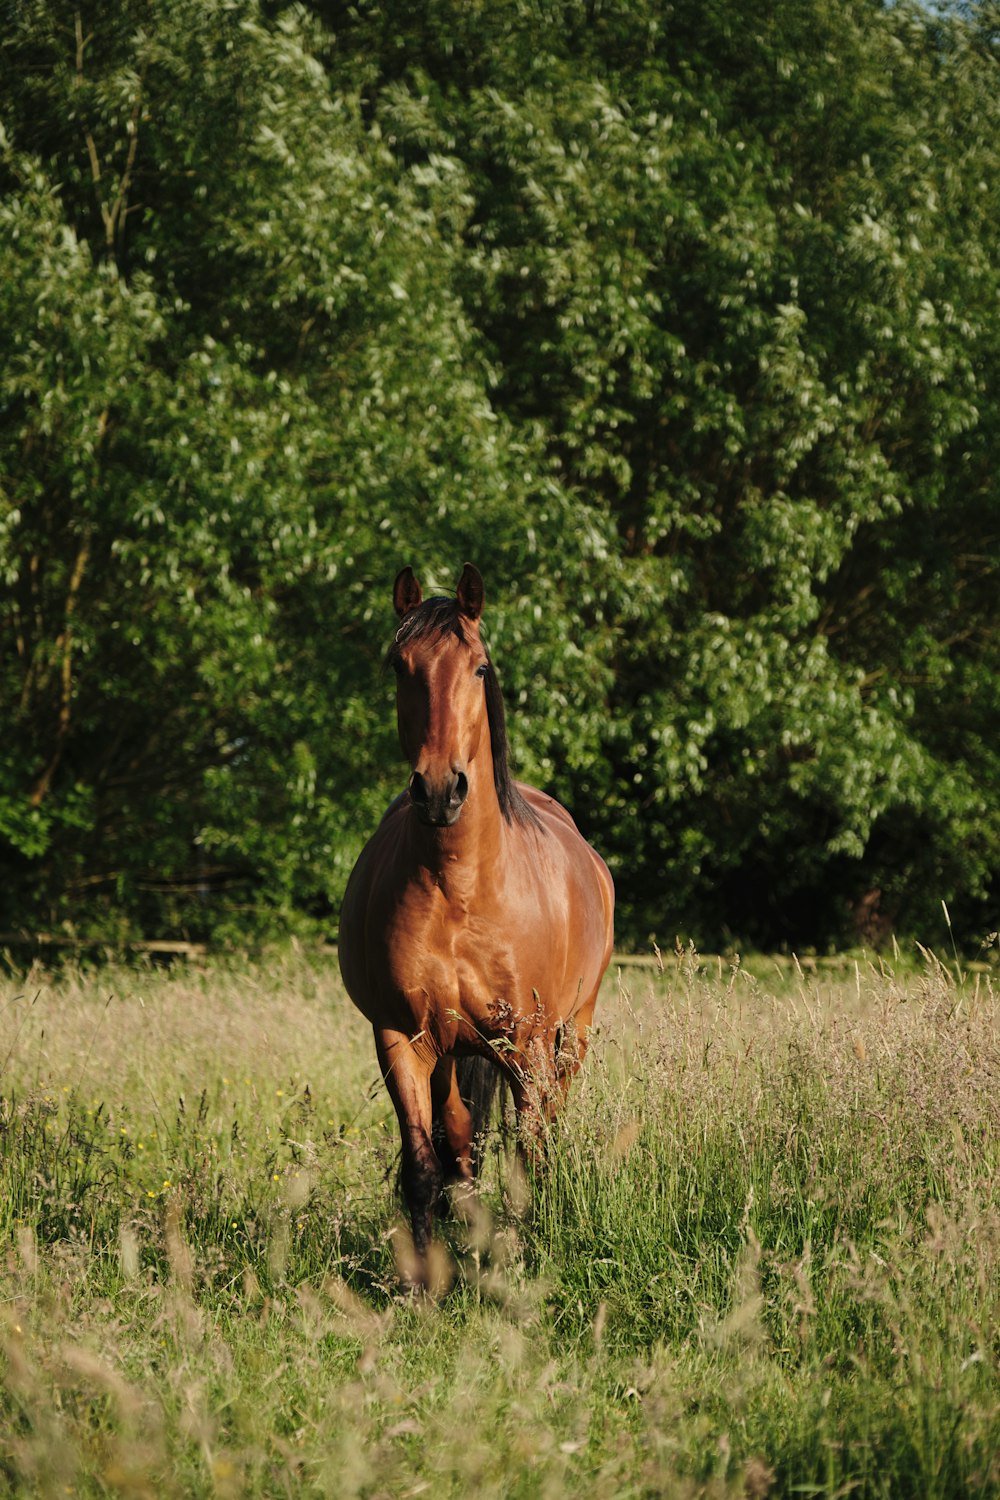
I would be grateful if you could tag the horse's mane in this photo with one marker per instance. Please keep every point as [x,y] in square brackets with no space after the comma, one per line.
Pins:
[443,616]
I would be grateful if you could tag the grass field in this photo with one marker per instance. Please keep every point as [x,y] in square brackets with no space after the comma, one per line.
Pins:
[764,1258]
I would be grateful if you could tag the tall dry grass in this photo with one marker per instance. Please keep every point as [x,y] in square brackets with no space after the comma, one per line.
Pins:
[764,1255]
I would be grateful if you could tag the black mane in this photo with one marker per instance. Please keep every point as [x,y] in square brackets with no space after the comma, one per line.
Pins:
[442,616]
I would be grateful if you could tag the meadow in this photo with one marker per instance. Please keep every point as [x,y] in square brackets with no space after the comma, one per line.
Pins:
[763,1257]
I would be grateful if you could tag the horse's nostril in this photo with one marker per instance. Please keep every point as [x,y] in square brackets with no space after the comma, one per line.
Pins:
[418,789]
[461,787]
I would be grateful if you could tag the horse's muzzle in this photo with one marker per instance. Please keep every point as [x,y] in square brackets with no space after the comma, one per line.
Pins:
[439,803]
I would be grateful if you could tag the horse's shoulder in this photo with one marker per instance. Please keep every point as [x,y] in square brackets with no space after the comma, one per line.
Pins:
[379,849]
[401,801]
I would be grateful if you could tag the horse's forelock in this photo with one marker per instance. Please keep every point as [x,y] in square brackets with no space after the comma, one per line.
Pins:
[437,616]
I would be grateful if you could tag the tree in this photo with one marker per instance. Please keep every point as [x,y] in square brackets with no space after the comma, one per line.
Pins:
[680,327]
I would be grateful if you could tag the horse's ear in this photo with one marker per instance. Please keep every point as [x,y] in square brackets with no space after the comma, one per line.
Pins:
[470,592]
[406,593]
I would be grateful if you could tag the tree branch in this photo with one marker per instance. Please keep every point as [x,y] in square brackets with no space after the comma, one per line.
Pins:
[112,217]
[95,162]
[65,645]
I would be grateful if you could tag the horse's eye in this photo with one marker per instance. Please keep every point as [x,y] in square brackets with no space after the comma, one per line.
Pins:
[482,670]
[397,666]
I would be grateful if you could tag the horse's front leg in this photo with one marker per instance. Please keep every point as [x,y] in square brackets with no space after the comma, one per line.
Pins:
[455,1123]
[407,1075]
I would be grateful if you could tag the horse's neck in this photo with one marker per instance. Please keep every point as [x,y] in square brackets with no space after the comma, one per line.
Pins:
[470,850]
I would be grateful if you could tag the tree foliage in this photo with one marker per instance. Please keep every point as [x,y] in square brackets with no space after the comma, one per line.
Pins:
[679,321]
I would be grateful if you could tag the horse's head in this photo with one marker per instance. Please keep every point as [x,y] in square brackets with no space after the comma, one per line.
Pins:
[441,669]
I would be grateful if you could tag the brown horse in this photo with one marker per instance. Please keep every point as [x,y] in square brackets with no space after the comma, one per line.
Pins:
[477,920]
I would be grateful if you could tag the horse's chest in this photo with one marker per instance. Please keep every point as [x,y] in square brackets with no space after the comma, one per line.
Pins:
[431,936]
[446,958]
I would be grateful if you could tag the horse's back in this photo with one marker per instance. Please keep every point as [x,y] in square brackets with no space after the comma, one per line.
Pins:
[593,873]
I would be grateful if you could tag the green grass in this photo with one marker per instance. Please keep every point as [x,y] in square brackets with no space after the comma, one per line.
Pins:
[764,1257]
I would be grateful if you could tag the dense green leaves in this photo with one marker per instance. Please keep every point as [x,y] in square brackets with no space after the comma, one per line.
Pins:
[679,321]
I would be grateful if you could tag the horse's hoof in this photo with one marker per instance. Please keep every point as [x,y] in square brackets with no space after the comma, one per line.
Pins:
[428,1274]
